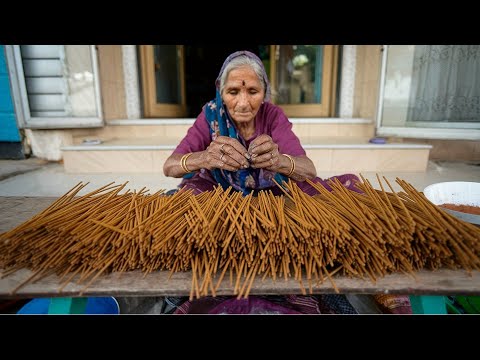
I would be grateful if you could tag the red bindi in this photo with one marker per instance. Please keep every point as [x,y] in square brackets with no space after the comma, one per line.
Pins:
[243,82]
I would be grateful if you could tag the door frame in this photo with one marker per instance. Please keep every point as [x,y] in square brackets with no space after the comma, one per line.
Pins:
[151,108]
[326,108]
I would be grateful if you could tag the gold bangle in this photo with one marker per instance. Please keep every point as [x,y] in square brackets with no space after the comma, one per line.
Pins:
[292,168]
[183,162]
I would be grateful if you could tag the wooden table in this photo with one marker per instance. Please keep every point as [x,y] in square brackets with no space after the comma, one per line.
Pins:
[426,287]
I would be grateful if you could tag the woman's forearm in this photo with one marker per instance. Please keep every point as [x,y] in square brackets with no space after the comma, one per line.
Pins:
[173,165]
[303,168]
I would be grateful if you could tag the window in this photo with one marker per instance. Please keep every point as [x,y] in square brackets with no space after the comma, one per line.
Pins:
[163,85]
[304,79]
[431,91]
[55,86]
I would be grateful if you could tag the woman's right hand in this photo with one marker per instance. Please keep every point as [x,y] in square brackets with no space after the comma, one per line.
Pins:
[226,153]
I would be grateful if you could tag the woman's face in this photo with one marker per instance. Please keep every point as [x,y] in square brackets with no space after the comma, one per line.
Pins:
[243,94]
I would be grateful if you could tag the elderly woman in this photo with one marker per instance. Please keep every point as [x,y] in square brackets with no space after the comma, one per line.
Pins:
[242,140]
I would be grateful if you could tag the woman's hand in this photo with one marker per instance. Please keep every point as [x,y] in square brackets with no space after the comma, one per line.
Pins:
[222,153]
[226,153]
[264,154]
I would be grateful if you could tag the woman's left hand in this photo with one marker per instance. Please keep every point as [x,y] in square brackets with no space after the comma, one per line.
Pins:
[264,153]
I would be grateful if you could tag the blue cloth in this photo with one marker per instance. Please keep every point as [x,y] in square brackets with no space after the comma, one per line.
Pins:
[95,305]
[221,125]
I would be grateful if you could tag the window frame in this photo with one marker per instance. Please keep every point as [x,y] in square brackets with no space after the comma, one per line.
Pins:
[151,108]
[21,103]
[329,85]
[421,131]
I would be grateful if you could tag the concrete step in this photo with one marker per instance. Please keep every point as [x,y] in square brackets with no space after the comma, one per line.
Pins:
[171,131]
[315,130]
[341,155]
[337,155]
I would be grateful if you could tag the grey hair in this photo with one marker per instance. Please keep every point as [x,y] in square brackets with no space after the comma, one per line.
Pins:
[238,62]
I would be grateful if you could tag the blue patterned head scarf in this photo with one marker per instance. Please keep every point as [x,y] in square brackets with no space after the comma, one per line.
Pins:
[220,124]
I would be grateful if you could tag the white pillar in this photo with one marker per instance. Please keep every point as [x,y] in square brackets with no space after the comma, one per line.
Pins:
[347,84]
[131,83]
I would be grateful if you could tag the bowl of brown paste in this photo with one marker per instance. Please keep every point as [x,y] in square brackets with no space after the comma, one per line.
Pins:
[459,198]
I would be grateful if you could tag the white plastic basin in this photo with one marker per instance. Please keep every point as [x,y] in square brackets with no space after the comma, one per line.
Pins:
[456,192]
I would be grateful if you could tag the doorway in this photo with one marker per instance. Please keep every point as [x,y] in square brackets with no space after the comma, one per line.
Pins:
[178,80]
[202,65]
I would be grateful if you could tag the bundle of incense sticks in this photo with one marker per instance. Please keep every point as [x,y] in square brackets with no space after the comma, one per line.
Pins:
[367,234]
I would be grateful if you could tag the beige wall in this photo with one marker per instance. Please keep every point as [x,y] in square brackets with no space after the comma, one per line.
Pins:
[367,81]
[367,87]
[451,150]
[367,76]
[112,87]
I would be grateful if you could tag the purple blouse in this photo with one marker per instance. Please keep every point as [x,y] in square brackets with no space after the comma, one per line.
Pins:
[270,120]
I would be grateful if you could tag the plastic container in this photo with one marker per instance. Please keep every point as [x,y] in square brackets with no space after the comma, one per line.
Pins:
[95,305]
[458,193]
[377,140]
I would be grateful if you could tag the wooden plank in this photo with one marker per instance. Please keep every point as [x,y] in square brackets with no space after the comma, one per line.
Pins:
[16,210]
[135,283]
